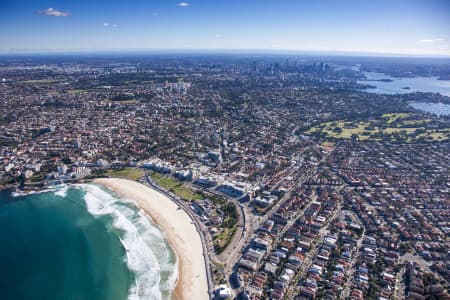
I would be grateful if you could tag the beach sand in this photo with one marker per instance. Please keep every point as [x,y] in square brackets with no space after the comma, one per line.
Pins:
[178,231]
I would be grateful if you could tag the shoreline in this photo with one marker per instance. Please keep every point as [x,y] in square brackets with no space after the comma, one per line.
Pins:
[178,230]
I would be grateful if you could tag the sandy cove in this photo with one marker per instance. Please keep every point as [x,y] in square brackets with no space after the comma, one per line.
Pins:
[178,230]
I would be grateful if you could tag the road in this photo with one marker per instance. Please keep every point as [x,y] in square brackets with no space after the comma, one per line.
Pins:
[351,269]
[200,229]
[253,223]
[230,256]
[303,179]
[293,288]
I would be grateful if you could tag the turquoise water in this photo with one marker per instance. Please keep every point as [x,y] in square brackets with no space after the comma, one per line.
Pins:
[81,243]
[439,109]
[397,85]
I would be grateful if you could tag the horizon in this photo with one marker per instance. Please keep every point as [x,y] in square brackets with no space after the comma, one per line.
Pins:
[404,28]
[205,149]
[223,52]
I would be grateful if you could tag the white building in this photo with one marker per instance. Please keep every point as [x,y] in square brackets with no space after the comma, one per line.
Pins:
[224,292]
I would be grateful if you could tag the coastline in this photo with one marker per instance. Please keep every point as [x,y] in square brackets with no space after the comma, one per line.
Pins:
[178,230]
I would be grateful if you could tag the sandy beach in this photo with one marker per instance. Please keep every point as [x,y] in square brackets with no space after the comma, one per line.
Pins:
[178,230]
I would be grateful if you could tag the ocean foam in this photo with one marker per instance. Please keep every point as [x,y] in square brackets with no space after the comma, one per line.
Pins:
[58,190]
[147,253]
[27,193]
[62,191]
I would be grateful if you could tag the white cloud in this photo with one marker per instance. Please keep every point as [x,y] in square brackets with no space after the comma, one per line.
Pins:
[433,46]
[53,12]
[107,24]
[432,41]
[183,4]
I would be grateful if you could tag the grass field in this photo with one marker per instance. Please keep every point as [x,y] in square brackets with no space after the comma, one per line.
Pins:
[41,81]
[127,173]
[75,91]
[230,216]
[396,127]
[123,102]
[394,116]
[222,239]
[175,186]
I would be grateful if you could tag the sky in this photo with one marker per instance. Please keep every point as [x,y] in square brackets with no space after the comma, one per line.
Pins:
[406,27]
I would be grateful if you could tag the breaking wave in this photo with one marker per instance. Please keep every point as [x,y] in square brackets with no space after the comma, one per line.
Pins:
[148,255]
[62,192]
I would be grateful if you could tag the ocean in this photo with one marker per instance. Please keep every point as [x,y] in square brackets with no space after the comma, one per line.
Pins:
[81,242]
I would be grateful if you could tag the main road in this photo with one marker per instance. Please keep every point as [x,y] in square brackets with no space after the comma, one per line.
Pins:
[200,229]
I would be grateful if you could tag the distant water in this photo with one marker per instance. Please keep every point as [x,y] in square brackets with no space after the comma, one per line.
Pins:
[398,85]
[79,243]
[439,109]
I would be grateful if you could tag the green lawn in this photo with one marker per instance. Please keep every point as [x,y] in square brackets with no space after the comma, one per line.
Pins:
[123,102]
[395,127]
[76,91]
[394,117]
[222,239]
[186,193]
[228,227]
[127,173]
[41,81]
[175,186]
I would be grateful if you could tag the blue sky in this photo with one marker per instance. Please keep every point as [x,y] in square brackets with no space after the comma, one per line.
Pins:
[379,26]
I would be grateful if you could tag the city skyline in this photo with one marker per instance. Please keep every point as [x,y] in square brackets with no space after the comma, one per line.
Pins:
[407,28]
